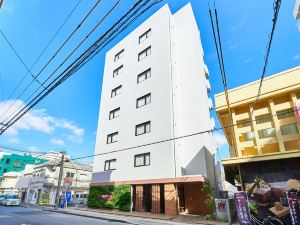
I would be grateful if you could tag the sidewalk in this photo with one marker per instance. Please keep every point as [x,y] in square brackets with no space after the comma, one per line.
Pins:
[97,213]
[117,215]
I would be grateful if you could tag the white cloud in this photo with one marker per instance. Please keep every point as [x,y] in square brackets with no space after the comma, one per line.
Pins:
[296,57]
[33,149]
[56,141]
[37,120]
[220,139]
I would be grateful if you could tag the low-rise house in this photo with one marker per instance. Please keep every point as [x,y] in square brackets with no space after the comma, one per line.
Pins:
[42,189]
[8,182]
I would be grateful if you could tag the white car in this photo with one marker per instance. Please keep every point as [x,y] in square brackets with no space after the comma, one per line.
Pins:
[11,200]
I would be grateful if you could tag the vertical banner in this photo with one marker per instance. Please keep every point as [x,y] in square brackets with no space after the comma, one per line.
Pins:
[242,208]
[293,199]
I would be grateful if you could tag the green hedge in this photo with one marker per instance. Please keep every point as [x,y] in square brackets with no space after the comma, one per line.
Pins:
[121,197]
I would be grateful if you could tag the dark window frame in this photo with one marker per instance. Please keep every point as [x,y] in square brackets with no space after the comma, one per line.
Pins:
[144,97]
[117,56]
[108,162]
[146,33]
[112,112]
[144,73]
[115,91]
[109,136]
[145,126]
[143,154]
[144,51]
[116,72]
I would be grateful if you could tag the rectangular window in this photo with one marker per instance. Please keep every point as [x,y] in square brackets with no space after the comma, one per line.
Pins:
[142,159]
[289,129]
[119,55]
[142,128]
[244,123]
[284,114]
[263,119]
[116,91]
[145,36]
[144,53]
[249,136]
[114,113]
[17,164]
[111,138]
[144,100]
[144,75]
[7,161]
[118,71]
[70,174]
[110,164]
[266,133]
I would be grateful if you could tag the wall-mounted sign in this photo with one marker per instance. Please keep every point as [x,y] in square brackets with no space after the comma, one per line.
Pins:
[293,199]
[242,208]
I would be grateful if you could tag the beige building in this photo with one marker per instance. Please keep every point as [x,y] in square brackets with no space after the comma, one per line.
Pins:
[265,138]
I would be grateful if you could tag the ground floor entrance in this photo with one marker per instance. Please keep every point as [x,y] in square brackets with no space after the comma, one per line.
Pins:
[170,198]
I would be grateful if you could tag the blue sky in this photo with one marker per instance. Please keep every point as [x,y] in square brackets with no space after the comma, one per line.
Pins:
[68,117]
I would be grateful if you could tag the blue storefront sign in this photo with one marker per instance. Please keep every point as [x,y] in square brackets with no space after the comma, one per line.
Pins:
[68,196]
[241,204]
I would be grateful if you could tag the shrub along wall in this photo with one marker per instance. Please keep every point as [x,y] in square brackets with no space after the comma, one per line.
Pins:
[110,197]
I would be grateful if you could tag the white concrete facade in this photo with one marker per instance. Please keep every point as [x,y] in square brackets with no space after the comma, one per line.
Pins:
[179,103]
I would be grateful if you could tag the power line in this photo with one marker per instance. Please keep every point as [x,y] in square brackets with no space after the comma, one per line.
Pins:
[276,8]
[56,53]
[45,48]
[19,57]
[83,58]
[19,149]
[179,137]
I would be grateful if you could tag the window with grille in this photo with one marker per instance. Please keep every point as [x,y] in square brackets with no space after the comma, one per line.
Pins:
[266,133]
[263,119]
[284,114]
[289,129]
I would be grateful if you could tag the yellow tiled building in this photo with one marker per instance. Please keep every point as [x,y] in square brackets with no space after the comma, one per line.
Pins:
[265,138]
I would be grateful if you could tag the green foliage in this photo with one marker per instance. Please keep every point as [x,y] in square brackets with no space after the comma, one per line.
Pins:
[210,201]
[121,197]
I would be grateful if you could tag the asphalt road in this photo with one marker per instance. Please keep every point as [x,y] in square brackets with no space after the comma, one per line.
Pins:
[27,216]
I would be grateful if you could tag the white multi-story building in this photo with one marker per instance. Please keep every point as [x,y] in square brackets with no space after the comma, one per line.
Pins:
[154,103]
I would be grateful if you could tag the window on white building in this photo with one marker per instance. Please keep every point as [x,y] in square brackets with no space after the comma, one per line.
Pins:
[143,54]
[119,55]
[116,91]
[111,138]
[266,133]
[284,114]
[289,129]
[142,159]
[118,71]
[114,113]
[144,100]
[145,36]
[144,75]
[69,174]
[142,128]
[110,164]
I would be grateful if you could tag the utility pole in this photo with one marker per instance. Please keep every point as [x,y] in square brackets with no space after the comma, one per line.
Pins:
[61,170]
